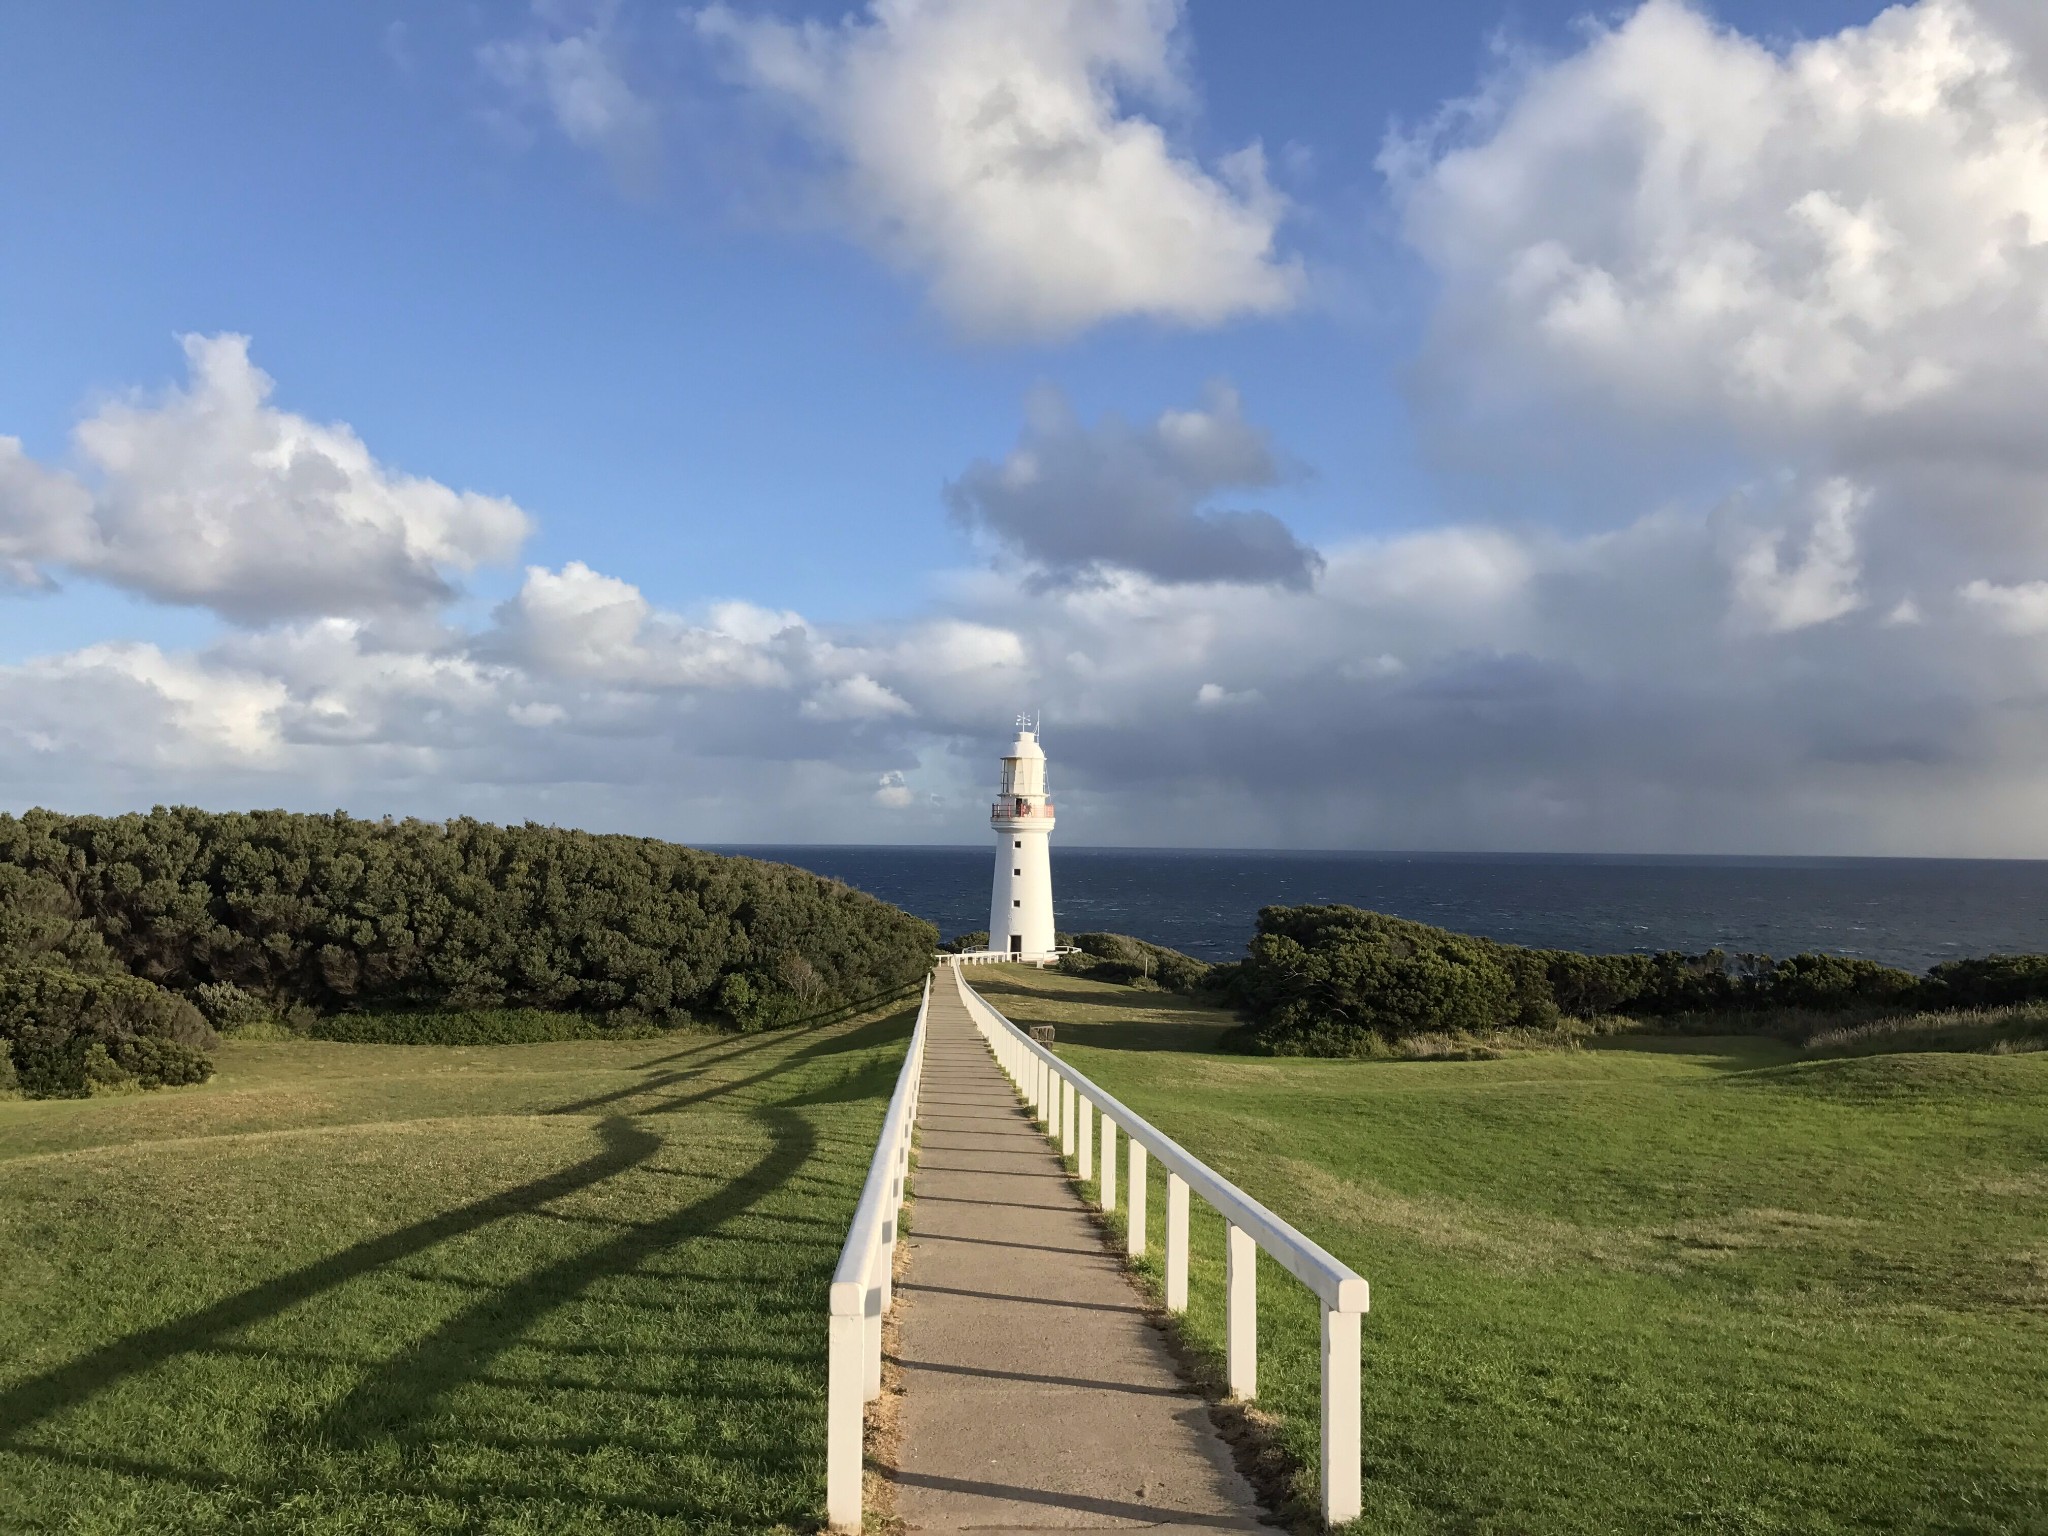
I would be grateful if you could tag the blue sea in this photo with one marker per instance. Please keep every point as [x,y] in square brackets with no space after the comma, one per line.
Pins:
[1908,912]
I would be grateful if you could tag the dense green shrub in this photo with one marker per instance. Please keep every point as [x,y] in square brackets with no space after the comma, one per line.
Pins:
[967,943]
[1991,981]
[1341,981]
[1119,957]
[66,1034]
[1323,980]
[41,924]
[339,914]
[229,1009]
[1833,983]
[477,1026]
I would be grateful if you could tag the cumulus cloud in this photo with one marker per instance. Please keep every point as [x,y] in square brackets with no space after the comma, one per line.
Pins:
[1777,594]
[1679,218]
[1076,500]
[893,791]
[858,697]
[210,495]
[130,703]
[577,622]
[995,147]
[2018,608]
[570,67]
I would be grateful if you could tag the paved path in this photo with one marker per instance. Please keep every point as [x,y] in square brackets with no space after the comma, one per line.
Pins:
[1036,1394]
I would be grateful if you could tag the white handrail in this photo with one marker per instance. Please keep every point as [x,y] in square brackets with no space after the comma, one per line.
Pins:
[861,1291]
[1064,1100]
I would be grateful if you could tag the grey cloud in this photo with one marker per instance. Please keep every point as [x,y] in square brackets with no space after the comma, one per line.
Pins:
[1078,500]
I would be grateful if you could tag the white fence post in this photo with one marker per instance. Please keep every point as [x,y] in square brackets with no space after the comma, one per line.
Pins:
[1084,1138]
[871,1311]
[1056,1090]
[1343,1497]
[1068,1114]
[1241,1312]
[1108,1190]
[844,1423]
[1134,1201]
[1176,1243]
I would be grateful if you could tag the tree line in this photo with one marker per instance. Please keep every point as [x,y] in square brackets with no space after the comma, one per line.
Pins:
[1328,980]
[242,915]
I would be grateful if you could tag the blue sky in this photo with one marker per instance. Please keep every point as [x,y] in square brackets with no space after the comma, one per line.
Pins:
[719,340]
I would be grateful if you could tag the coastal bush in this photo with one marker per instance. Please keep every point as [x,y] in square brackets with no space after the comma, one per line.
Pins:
[231,1010]
[476,1026]
[1833,983]
[967,943]
[1990,981]
[67,1034]
[337,914]
[1331,980]
[41,924]
[1119,957]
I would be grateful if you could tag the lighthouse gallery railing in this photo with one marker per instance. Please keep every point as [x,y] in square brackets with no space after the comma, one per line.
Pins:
[1064,1101]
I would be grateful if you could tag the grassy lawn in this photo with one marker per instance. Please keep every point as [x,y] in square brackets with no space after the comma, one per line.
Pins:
[360,1288]
[1698,1285]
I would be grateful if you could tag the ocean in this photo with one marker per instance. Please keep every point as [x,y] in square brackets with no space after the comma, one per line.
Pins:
[1907,912]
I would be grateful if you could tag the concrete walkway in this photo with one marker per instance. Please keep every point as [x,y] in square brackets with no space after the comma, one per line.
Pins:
[1036,1394]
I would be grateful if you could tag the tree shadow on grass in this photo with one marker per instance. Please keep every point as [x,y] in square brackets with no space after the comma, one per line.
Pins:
[399,1400]
[874,1033]
[401,1431]
[473,1412]
[37,1398]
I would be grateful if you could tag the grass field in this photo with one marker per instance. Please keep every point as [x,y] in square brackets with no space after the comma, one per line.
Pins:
[357,1288]
[1655,1286]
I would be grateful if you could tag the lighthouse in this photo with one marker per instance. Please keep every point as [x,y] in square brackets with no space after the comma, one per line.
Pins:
[1020,909]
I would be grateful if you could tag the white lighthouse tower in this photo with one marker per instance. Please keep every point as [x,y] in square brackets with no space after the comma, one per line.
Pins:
[1020,910]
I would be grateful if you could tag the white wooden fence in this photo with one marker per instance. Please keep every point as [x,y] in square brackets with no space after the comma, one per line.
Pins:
[861,1292]
[1065,1102]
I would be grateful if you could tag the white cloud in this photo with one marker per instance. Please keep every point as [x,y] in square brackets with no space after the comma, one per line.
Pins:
[570,65]
[211,496]
[1216,696]
[45,517]
[1679,219]
[858,697]
[131,703]
[1077,500]
[993,146]
[1776,595]
[580,623]
[893,792]
[2018,609]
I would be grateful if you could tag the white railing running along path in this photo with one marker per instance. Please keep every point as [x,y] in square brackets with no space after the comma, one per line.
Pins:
[1064,1101]
[861,1290]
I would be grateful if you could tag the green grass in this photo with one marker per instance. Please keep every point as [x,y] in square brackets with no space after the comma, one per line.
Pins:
[1651,1285]
[359,1288]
